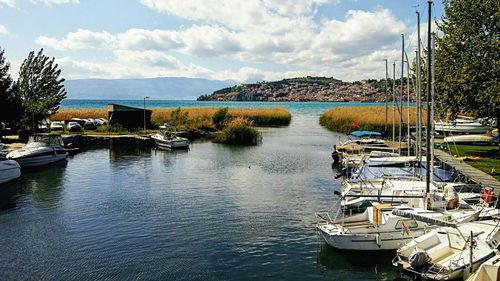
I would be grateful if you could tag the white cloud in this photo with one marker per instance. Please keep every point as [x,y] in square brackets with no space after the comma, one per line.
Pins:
[3,30]
[81,39]
[9,3]
[246,32]
[12,3]
[54,2]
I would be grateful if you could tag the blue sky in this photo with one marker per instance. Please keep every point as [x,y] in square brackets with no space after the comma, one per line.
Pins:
[241,40]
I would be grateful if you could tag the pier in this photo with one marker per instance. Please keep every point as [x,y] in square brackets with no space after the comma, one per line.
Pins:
[468,171]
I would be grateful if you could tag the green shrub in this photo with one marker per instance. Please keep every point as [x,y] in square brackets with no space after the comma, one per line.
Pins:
[221,117]
[239,131]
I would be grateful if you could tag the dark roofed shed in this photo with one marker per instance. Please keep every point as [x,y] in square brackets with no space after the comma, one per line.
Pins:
[129,117]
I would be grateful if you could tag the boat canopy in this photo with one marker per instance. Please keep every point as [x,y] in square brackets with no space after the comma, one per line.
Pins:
[361,134]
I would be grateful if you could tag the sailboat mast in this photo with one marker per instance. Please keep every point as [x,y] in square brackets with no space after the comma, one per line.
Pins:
[428,124]
[386,95]
[408,100]
[394,102]
[433,101]
[401,92]
[418,137]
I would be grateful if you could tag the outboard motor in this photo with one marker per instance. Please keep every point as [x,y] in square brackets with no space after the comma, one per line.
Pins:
[335,156]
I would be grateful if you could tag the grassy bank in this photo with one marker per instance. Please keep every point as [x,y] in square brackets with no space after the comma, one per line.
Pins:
[347,119]
[484,158]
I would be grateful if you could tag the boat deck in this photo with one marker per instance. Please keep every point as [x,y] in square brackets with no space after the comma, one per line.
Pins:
[467,170]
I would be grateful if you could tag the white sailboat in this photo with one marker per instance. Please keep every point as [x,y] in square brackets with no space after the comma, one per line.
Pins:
[379,227]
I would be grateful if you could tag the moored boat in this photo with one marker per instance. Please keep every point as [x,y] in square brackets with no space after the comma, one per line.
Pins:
[9,170]
[380,227]
[42,149]
[461,125]
[449,252]
[470,139]
[166,139]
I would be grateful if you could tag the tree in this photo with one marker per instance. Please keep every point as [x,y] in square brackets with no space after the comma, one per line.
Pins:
[468,59]
[9,99]
[40,87]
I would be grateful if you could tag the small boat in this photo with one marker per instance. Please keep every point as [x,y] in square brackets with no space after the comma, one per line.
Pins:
[42,149]
[9,170]
[461,125]
[449,252]
[56,126]
[167,139]
[89,125]
[74,126]
[470,139]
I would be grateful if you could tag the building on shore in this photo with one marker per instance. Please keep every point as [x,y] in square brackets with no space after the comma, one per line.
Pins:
[129,117]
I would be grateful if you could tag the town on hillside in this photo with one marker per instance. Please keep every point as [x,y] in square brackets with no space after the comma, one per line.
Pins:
[323,89]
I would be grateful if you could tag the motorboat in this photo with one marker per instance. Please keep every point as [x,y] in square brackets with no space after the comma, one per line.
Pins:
[74,126]
[9,170]
[167,139]
[41,149]
[449,252]
[56,126]
[470,139]
[379,227]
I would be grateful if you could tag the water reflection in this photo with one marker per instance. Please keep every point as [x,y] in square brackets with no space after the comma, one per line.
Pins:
[353,263]
[8,192]
[45,184]
[125,153]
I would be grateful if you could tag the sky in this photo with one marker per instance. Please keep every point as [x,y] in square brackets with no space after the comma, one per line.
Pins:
[239,40]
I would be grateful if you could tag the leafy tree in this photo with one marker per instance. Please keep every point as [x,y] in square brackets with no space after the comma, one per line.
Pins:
[40,87]
[10,101]
[468,59]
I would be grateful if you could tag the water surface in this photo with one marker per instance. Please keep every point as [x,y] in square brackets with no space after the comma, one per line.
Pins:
[215,212]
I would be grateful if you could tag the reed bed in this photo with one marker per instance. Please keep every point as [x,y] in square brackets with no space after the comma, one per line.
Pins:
[200,116]
[348,119]
[83,113]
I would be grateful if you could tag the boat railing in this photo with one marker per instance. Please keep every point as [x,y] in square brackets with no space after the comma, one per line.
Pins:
[322,217]
[489,238]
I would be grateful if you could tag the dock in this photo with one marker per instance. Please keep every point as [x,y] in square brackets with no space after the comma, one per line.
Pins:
[468,171]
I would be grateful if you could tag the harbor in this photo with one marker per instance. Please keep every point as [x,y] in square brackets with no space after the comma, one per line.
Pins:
[251,140]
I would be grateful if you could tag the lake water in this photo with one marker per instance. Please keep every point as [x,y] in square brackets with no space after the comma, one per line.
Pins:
[215,212]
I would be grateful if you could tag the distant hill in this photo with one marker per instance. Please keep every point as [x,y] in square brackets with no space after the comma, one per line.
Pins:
[304,89]
[165,88]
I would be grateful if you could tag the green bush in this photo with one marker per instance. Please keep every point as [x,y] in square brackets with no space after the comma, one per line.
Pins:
[220,117]
[239,131]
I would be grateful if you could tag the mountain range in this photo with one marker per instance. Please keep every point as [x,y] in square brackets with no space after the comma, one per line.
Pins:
[163,88]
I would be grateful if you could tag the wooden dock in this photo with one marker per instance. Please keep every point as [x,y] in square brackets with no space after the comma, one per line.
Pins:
[467,170]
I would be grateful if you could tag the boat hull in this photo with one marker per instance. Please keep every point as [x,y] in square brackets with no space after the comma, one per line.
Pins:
[370,241]
[9,170]
[40,159]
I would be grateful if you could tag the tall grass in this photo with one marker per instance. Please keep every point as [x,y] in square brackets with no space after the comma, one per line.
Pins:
[196,116]
[83,113]
[347,119]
